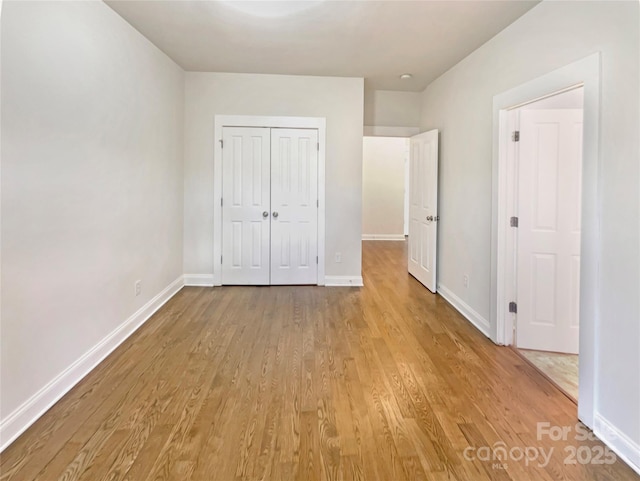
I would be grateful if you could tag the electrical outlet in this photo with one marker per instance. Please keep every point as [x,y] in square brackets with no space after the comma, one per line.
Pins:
[465,280]
[138,287]
[338,257]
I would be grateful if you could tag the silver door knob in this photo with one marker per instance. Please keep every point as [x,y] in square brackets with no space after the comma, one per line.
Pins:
[275,214]
[265,214]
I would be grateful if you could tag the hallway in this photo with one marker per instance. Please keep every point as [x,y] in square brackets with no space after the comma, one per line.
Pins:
[386,382]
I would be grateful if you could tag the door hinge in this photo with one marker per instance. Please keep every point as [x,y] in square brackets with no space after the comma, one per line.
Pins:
[317,202]
[221,202]
[513,307]
[316,259]
[515,136]
[220,259]
[221,144]
[318,146]
[513,222]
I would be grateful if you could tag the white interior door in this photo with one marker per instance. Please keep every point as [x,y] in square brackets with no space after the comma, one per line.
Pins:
[549,201]
[246,191]
[423,208]
[294,206]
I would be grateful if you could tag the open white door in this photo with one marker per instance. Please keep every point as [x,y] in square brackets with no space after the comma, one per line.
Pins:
[294,206]
[246,192]
[548,260]
[423,208]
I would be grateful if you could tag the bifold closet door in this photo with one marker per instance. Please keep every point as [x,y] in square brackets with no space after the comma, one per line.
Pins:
[294,206]
[246,215]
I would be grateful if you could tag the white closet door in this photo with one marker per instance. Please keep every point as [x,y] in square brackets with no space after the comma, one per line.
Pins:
[423,208]
[245,205]
[294,208]
[549,193]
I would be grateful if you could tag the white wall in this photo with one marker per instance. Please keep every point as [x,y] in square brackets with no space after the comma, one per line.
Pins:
[92,187]
[340,100]
[390,108]
[459,103]
[383,172]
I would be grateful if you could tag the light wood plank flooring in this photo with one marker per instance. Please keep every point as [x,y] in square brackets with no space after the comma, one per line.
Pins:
[560,368]
[387,382]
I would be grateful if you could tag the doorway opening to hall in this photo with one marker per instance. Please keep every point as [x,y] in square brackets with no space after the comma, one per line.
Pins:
[546,195]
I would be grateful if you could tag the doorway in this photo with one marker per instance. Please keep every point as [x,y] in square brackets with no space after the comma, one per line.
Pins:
[585,72]
[385,165]
[269,211]
[546,187]
[400,198]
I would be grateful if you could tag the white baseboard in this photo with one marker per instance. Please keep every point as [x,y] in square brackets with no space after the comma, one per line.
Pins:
[342,281]
[463,308]
[383,237]
[25,415]
[624,447]
[204,280]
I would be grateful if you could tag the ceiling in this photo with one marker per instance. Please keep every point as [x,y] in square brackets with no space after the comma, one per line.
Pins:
[377,40]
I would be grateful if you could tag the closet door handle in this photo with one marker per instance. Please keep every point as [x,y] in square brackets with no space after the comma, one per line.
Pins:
[265,214]
[275,215]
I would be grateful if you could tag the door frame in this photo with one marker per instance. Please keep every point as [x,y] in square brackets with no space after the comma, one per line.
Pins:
[221,121]
[585,73]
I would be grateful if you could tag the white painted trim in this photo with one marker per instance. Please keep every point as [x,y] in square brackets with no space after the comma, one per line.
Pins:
[626,449]
[507,237]
[463,308]
[381,131]
[26,414]
[343,281]
[201,280]
[319,123]
[383,237]
[585,72]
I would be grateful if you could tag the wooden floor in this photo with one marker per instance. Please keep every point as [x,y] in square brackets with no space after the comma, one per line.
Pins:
[384,383]
[562,369]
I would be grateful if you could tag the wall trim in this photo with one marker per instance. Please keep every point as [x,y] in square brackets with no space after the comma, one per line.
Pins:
[343,281]
[383,237]
[33,408]
[463,308]
[200,280]
[624,447]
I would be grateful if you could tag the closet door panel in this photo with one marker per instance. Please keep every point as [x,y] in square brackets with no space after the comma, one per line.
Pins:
[294,206]
[246,192]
